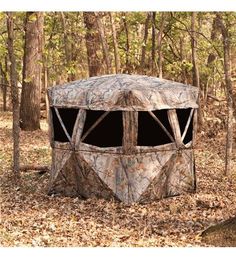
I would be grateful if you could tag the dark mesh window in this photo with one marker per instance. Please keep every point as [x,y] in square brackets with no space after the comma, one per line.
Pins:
[108,133]
[149,131]
[68,116]
[183,115]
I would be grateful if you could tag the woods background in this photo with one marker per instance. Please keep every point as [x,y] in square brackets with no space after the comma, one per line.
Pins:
[54,48]
[39,50]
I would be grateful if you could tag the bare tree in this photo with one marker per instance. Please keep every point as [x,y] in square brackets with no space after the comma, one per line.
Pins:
[196,81]
[127,47]
[32,71]
[4,84]
[159,46]
[104,43]
[14,95]
[145,37]
[45,77]
[214,35]
[153,59]
[228,81]
[67,44]
[115,43]
[184,78]
[195,75]
[92,39]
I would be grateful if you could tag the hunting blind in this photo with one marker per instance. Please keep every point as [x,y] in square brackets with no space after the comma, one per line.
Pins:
[128,137]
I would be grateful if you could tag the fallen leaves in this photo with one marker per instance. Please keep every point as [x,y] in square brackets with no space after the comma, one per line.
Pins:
[29,217]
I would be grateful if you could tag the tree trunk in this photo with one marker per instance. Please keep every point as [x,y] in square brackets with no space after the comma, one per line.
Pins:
[184,78]
[233,75]
[127,47]
[144,46]
[92,39]
[214,35]
[115,44]
[14,95]
[44,89]
[195,76]
[153,59]
[32,70]
[4,83]
[67,49]
[6,79]
[228,81]
[44,100]
[196,81]
[159,40]
[104,43]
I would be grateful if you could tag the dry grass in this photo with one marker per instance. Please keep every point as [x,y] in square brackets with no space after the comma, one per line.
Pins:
[31,218]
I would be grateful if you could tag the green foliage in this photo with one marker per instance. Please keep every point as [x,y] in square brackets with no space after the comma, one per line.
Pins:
[65,53]
[27,80]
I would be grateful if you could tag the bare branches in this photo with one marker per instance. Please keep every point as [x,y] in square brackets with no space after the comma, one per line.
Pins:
[195,31]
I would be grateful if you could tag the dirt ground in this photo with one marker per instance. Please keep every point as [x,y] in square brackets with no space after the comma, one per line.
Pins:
[29,217]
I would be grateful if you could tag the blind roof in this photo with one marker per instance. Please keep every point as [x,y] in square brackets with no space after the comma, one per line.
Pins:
[123,92]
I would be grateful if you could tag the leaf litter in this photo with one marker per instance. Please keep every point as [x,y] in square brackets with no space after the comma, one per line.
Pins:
[29,217]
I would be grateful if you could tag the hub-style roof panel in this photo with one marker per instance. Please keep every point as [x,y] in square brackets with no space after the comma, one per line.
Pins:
[124,92]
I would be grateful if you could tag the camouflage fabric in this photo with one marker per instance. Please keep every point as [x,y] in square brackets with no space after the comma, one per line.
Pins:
[124,92]
[128,173]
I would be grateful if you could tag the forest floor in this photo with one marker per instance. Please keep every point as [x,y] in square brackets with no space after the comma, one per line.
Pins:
[29,217]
